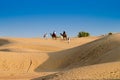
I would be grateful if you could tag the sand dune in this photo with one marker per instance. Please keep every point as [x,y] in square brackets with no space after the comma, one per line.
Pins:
[21,57]
[47,59]
[96,60]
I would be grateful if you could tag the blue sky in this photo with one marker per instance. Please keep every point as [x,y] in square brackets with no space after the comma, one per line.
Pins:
[32,18]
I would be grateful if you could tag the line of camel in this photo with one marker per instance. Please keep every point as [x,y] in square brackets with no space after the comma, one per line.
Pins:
[63,35]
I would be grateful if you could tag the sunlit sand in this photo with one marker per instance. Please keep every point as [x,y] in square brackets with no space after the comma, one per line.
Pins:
[48,59]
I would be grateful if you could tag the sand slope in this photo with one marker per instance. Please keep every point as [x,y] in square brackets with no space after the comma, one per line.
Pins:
[99,59]
[25,58]
[47,59]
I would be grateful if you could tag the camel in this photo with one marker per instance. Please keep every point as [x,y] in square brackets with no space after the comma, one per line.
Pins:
[64,35]
[53,35]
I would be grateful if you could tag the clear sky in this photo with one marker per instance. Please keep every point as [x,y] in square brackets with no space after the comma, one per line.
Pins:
[32,18]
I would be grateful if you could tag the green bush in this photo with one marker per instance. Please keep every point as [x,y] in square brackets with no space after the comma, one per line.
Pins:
[110,33]
[83,34]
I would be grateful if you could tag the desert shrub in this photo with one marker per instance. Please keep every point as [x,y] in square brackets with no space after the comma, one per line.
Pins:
[83,34]
[110,33]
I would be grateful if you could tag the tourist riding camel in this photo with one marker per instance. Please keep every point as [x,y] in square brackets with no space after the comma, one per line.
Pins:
[64,35]
[53,35]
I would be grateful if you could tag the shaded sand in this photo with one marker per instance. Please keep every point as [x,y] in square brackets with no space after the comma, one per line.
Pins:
[95,60]
[41,59]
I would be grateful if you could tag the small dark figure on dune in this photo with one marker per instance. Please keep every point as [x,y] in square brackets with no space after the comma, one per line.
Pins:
[64,35]
[53,35]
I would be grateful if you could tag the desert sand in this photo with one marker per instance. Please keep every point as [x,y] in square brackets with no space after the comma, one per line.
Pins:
[48,59]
